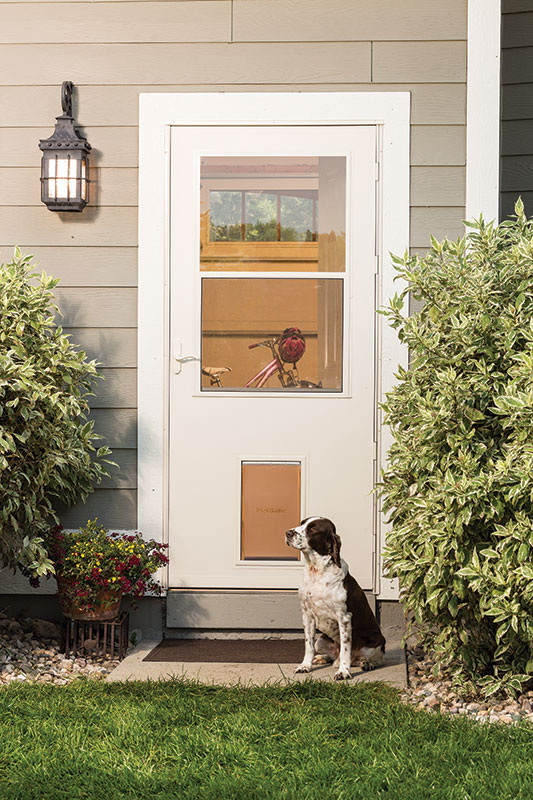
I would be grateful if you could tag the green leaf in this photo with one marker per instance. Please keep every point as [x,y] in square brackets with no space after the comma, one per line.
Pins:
[474,414]
[452,606]
[523,552]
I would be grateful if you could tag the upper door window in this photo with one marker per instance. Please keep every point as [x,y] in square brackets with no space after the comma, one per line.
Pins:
[273,213]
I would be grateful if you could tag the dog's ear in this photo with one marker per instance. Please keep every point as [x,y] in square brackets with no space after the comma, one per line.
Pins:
[336,549]
[334,542]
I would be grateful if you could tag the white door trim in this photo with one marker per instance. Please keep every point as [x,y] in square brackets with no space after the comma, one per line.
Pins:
[157,113]
[483,110]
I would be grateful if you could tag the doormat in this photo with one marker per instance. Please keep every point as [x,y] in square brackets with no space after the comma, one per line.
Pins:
[230,651]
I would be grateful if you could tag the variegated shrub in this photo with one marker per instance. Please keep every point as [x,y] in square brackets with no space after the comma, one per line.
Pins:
[458,487]
[47,450]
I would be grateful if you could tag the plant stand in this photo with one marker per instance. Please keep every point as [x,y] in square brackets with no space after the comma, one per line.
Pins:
[104,639]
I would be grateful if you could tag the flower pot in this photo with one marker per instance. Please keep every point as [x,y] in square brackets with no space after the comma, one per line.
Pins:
[104,607]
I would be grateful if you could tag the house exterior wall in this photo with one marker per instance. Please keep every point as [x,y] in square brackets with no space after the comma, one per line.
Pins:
[112,51]
[516,142]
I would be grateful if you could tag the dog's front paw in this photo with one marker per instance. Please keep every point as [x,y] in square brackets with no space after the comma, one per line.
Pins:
[303,668]
[342,675]
[366,666]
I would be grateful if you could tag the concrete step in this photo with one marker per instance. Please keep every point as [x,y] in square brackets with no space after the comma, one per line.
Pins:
[133,668]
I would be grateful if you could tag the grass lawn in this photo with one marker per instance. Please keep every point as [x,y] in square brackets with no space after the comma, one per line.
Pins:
[173,739]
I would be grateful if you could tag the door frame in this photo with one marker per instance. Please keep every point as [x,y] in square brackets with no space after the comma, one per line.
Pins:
[390,112]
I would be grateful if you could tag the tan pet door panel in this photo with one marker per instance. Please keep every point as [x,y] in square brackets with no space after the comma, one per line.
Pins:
[270,505]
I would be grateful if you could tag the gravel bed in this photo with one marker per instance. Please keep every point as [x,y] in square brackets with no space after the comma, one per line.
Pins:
[436,694]
[30,651]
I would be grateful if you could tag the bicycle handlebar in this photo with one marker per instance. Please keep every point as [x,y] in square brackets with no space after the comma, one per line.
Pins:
[266,343]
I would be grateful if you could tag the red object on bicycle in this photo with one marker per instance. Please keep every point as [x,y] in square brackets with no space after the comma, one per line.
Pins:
[291,345]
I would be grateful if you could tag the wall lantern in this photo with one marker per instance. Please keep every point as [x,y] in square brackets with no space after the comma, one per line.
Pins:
[65,162]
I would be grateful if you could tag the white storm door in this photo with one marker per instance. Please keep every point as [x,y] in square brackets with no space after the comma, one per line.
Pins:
[272,228]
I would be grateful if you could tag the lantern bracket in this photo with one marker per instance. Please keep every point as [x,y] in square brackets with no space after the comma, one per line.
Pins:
[66,98]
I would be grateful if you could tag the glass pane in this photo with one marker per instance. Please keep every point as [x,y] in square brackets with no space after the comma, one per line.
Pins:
[265,334]
[225,216]
[261,216]
[298,220]
[270,505]
[273,213]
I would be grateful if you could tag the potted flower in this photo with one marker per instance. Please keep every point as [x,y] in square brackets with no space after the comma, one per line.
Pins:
[95,569]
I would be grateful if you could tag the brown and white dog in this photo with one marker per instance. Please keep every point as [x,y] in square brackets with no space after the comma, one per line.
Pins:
[332,601]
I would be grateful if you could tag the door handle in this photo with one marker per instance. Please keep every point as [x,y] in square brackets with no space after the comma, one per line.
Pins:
[184,359]
[179,359]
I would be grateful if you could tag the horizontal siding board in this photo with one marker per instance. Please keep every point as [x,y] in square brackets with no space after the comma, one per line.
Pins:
[512,6]
[118,389]
[517,101]
[20,186]
[46,2]
[438,145]
[115,508]
[103,106]
[437,222]
[508,200]
[124,475]
[38,226]
[517,30]
[13,584]
[82,266]
[194,63]
[111,347]
[113,187]
[193,21]
[97,307]
[419,62]
[517,173]
[111,147]
[517,136]
[517,65]
[438,186]
[117,426]
[343,20]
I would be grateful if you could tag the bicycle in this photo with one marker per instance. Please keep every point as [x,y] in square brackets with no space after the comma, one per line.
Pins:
[285,349]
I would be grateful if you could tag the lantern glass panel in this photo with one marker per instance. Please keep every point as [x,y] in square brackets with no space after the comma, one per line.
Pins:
[83,179]
[63,174]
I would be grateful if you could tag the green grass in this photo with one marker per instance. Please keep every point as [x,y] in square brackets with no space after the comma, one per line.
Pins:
[173,739]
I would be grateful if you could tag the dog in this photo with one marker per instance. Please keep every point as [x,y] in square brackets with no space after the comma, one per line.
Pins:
[332,601]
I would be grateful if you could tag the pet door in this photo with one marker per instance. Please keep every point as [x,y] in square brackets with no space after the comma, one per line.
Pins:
[270,505]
